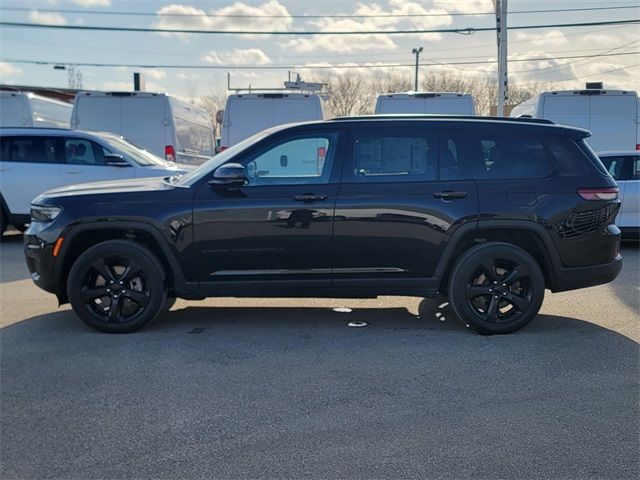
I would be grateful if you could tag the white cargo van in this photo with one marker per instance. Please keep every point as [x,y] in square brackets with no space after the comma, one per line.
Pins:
[611,115]
[251,110]
[25,109]
[157,122]
[425,102]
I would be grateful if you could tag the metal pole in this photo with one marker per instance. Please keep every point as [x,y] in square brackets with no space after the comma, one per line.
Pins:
[416,52]
[503,78]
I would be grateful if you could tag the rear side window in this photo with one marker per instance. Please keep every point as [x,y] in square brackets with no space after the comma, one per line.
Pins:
[623,167]
[569,158]
[504,156]
[615,166]
[395,158]
[29,149]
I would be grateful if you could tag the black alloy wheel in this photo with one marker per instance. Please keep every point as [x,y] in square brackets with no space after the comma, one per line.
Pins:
[117,286]
[496,287]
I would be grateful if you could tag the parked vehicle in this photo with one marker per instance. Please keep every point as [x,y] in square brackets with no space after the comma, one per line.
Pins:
[157,122]
[489,211]
[613,116]
[33,160]
[247,113]
[624,167]
[422,102]
[25,109]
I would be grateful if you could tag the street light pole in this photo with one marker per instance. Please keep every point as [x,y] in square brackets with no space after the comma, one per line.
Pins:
[503,78]
[416,52]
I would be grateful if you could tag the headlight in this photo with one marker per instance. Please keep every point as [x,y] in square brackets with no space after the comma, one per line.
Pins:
[44,214]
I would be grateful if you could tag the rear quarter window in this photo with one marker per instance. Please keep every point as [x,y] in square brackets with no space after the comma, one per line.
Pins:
[29,149]
[509,156]
[569,158]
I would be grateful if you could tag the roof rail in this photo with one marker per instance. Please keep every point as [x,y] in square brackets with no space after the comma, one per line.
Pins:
[411,116]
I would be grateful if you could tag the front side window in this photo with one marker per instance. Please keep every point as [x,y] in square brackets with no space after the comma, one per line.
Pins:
[79,151]
[305,160]
[635,168]
[395,158]
[27,149]
[510,156]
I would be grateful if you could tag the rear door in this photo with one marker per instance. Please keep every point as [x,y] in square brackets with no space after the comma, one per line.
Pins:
[613,121]
[404,191]
[29,166]
[567,109]
[145,122]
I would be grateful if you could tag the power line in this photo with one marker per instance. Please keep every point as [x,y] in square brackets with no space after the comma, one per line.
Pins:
[305,16]
[300,67]
[464,31]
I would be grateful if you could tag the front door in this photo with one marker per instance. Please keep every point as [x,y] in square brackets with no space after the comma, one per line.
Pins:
[278,227]
[403,192]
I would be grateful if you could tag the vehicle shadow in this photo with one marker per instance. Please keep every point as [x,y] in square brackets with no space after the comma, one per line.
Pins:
[12,264]
[292,392]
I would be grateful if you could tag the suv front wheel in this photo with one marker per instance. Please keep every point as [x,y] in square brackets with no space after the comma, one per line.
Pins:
[496,287]
[117,286]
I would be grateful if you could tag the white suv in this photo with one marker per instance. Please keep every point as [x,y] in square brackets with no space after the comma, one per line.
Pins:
[34,160]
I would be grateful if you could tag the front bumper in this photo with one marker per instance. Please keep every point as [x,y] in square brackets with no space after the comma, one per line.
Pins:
[41,263]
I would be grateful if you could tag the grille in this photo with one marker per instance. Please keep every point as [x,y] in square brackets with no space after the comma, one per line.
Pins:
[579,223]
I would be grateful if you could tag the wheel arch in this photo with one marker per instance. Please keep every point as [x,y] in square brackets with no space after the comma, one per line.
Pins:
[529,236]
[81,237]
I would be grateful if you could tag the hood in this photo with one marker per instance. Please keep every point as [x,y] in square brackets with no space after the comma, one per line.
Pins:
[134,185]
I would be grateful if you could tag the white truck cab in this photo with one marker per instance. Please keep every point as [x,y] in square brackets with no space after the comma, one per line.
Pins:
[249,111]
[26,109]
[158,122]
[426,102]
[613,116]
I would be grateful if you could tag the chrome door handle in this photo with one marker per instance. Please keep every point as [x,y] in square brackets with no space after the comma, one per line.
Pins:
[450,195]
[309,197]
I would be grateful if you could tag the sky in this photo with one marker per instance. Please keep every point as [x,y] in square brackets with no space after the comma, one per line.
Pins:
[376,51]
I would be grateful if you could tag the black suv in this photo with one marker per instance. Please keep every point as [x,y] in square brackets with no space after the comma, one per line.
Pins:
[490,211]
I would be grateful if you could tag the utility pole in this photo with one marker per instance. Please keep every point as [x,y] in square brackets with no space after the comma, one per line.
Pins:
[503,78]
[416,52]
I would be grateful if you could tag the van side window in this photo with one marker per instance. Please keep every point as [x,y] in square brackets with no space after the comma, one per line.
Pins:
[29,149]
[297,161]
[79,151]
[411,158]
[568,157]
[503,156]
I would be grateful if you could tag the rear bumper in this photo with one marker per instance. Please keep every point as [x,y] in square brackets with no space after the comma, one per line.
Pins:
[581,277]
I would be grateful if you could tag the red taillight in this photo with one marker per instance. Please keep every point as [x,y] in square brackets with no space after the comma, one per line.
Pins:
[170,153]
[610,193]
[222,149]
[637,146]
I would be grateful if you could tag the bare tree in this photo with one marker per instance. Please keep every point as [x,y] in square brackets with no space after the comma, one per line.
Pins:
[213,103]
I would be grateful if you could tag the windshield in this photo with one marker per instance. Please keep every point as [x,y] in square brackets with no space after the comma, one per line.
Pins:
[137,154]
[223,157]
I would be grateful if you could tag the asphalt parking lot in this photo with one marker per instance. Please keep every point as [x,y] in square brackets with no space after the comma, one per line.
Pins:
[228,388]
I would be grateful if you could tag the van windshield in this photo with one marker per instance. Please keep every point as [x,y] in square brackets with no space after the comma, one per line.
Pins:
[138,154]
[223,157]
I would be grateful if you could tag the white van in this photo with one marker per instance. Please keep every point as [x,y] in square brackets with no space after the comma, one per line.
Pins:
[249,113]
[25,109]
[158,122]
[425,102]
[611,115]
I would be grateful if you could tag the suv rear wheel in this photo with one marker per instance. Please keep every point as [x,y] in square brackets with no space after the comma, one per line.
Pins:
[117,286]
[496,288]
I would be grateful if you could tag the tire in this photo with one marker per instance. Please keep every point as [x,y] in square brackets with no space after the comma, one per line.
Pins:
[127,266]
[496,288]
[168,303]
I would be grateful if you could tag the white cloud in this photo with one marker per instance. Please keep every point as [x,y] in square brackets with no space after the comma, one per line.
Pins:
[408,15]
[6,69]
[198,19]
[247,56]
[154,73]
[47,18]
[550,38]
[92,3]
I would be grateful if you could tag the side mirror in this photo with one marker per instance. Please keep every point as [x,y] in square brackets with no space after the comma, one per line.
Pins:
[115,160]
[230,175]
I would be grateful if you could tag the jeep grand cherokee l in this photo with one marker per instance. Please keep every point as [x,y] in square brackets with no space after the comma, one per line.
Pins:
[490,211]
